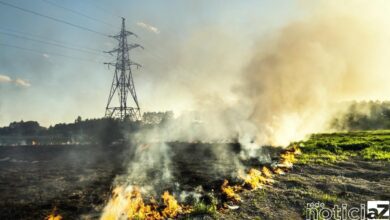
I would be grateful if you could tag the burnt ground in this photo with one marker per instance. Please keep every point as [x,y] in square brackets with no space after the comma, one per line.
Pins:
[74,179]
[77,180]
[352,182]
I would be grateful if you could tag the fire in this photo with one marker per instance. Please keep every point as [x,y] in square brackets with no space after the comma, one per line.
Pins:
[230,191]
[288,156]
[254,179]
[128,203]
[266,172]
[278,171]
[296,150]
[172,208]
[54,215]
[287,159]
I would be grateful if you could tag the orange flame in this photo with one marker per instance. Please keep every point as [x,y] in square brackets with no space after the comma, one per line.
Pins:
[288,156]
[230,191]
[278,171]
[130,204]
[172,208]
[266,172]
[54,215]
[254,179]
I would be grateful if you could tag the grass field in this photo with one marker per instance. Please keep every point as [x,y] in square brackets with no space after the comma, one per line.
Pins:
[333,147]
[339,168]
[335,168]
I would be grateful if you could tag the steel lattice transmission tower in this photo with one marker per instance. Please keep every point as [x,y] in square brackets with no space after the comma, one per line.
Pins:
[122,82]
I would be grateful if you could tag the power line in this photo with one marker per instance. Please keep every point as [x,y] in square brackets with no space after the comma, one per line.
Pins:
[52,18]
[77,13]
[102,9]
[52,40]
[49,43]
[42,52]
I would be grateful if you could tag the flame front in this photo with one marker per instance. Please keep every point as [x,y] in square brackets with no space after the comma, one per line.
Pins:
[288,157]
[230,191]
[266,172]
[278,171]
[254,179]
[54,215]
[172,208]
[129,204]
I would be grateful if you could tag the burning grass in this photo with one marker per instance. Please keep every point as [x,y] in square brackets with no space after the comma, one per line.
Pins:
[128,203]
[54,215]
[231,191]
[255,178]
[258,178]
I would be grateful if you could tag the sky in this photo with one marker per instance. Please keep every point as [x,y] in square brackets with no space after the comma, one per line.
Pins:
[184,41]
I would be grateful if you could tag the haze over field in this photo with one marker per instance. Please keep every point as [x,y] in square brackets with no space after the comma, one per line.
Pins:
[292,81]
[270,77]
[290,97]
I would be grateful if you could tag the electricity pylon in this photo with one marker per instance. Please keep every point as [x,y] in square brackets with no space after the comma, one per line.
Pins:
[122,82]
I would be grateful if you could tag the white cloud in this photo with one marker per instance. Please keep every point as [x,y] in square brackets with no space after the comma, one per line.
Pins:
[22,82]
[5,79]
[45,55]
[148,27]
[18,81]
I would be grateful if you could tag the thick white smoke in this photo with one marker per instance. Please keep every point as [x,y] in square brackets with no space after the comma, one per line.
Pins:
[297,76]
[288,83]
[291,87]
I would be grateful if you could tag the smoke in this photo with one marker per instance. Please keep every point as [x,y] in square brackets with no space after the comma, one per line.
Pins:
[291,87]
[293,82]
[372,115]
[288,83]
[297,76]
[149,167]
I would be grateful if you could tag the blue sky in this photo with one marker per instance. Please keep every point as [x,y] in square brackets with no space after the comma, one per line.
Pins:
[48,88]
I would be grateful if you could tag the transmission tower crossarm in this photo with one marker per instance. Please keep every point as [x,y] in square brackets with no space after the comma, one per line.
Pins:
[129,46]
[135,64]
[132,46]
[125,33]
[110,64]
[112,51]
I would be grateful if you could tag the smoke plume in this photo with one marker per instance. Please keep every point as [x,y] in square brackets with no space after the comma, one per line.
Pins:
[289,83]
[297,76]
[291,87]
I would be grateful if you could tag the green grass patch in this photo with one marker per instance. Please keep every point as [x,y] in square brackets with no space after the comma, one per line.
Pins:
[335,147]
[209,208]
[202,208]
[315,194]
